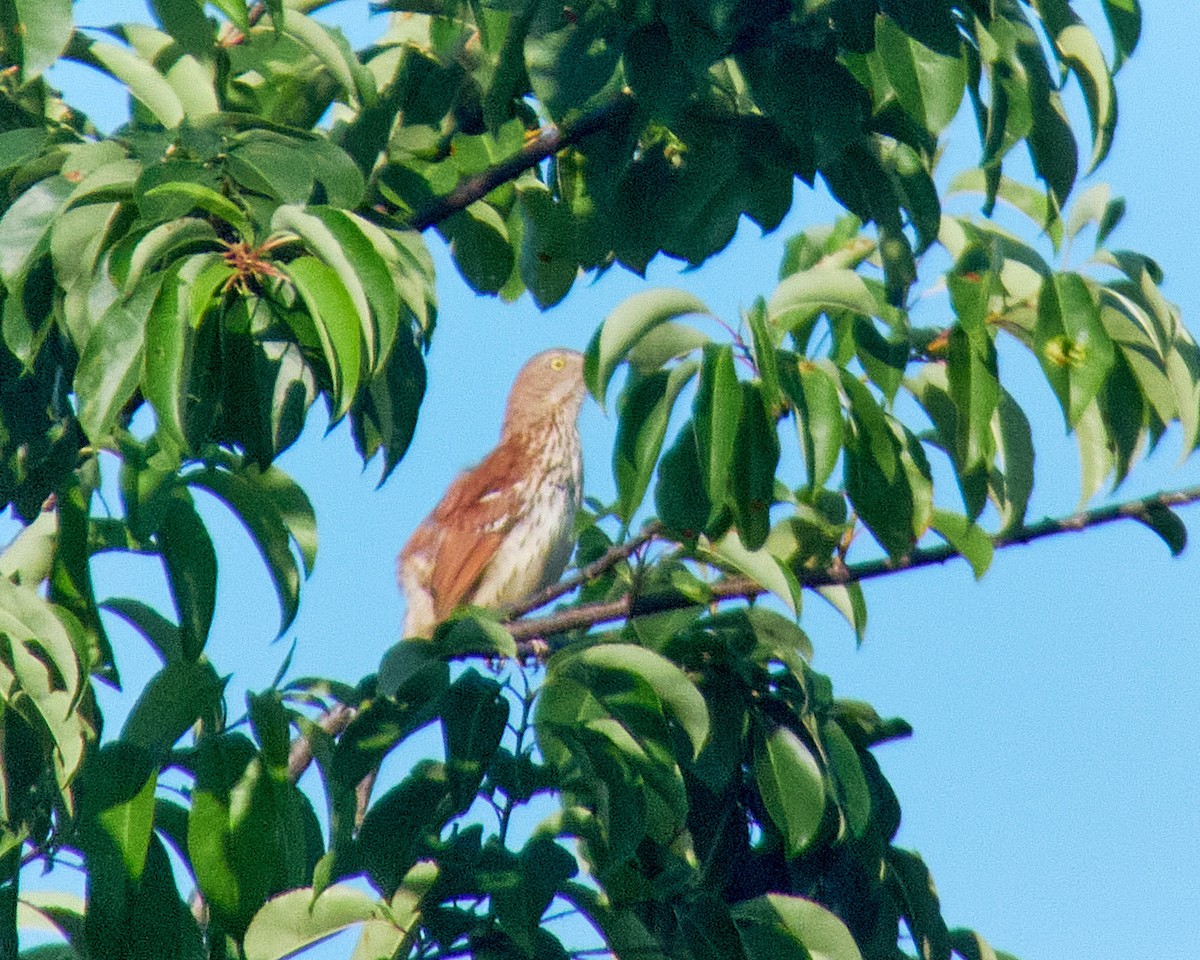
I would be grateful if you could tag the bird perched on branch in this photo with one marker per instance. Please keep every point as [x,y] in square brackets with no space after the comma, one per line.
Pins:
[505,528]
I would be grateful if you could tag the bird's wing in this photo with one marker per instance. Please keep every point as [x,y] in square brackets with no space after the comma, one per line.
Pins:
[474,517]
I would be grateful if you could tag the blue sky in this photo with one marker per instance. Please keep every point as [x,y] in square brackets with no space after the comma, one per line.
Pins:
[1051,779]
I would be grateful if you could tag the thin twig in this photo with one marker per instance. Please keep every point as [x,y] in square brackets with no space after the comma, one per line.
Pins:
[742,587]
[610,558]
[334,722]
[548,141]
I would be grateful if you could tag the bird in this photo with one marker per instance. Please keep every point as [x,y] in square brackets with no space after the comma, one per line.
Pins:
[505,528]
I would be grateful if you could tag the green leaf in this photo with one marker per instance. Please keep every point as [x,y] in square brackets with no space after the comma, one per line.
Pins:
[250,833]
[680,496]
[848,600]
[191,565]
[1096,459]
[45,30]
[71,578]
[1125,22]
[1077,45]
[628,324]
[755,458]
[548,261]
[964,536]
[543,867]
[198,196]
[1073,347]
[337,321]
[330,47]
[1014,442]
[919,902]
[263,518]
[812,389]
[339,241]
[165,360]
[572,57]
[760,566]
[385,413]
[1021,196]
[792,788]
[30,556]
[474,715]
[884,359]
[771,924]
[161,632]
[299,918]
[162,241]
[116,821]
[474,632]
[671,685]
[928,84]
[46,668]
[26,225]
[142,80]
[480,246]
[717,414]
[1166,523]
[644,411]
[111,364]
[185,21]
[396,831]
[803,295]
[975,389]
[173,700]
[850,786]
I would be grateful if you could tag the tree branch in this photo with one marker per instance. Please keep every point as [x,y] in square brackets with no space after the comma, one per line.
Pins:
[742,587]
[610,558]
[547,141]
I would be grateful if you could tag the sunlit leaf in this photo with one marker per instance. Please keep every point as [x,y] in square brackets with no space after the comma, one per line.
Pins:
[633,319]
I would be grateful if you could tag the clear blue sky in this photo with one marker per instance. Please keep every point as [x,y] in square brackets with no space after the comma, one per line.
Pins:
[1051,780]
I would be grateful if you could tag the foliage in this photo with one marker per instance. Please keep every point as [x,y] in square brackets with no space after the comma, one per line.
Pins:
[251,240]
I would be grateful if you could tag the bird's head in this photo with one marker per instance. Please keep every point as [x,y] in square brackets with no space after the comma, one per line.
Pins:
[550,385]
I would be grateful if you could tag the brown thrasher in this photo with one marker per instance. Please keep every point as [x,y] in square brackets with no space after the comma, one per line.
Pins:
[505,528]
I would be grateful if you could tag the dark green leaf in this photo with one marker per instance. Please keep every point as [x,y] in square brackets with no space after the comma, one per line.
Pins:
[1166,523]
[644,412]
[111,362]
[928,83]
[384,415]
[191,565]
[1125,21]
[185,21]
[474,716]
[176,697]
[479,243]
[680,496]
[716,413]
[263,519]
[573,54]
[162,634]
[792,788]
[755,458]
[547,261]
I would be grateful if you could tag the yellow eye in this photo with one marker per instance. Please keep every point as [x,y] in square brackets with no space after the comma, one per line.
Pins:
[557,363]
